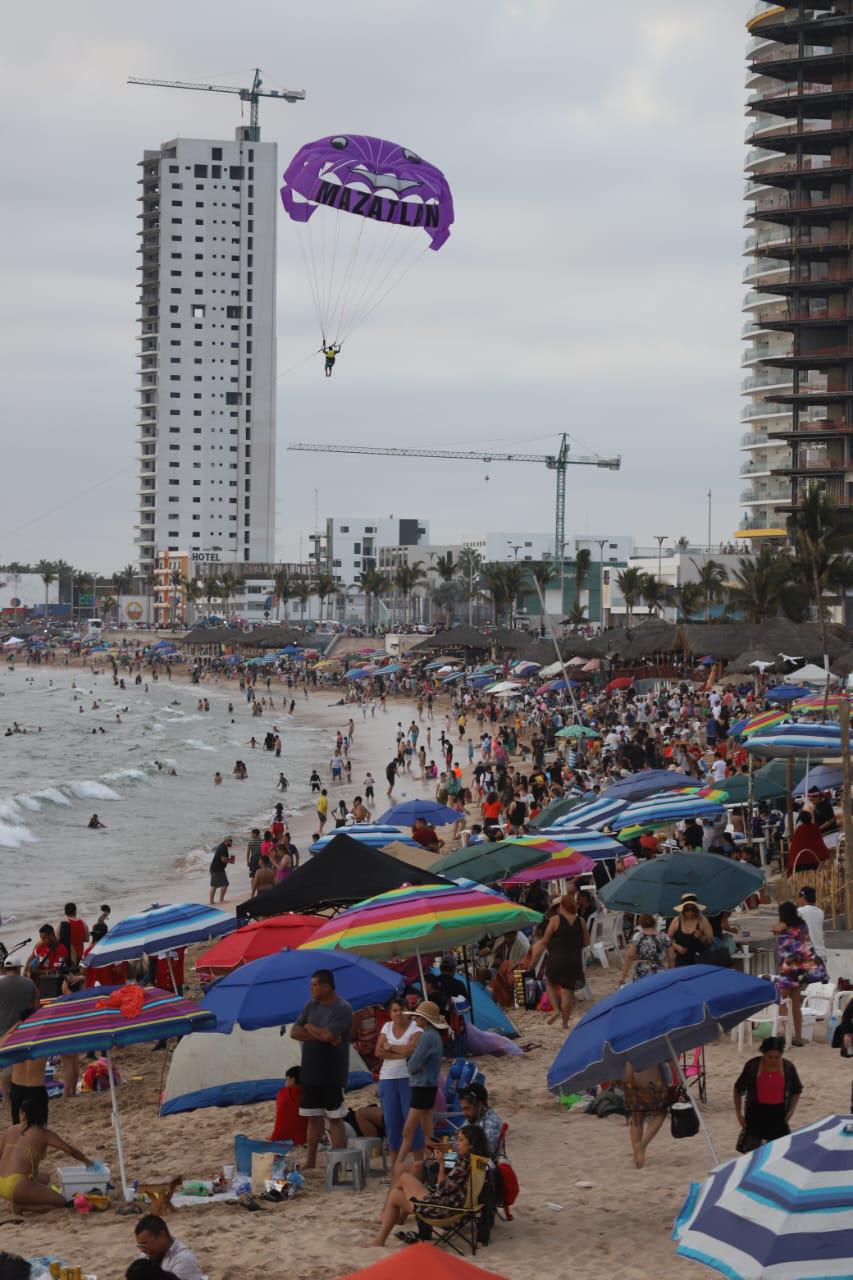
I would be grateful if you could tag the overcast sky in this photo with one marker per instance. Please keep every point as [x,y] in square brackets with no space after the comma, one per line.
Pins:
[592,282]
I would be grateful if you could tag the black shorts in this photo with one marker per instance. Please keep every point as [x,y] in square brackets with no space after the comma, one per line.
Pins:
[19,1092]
[323,1100]
[218,880]
[423,1097]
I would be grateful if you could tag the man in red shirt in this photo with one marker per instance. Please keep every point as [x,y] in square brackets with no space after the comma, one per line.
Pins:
[425,834]
[48,953]
[73,933]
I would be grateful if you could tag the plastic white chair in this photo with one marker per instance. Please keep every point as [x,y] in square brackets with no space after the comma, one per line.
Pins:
[840,1001]
[780,1024]
[605,930]
[817,1002]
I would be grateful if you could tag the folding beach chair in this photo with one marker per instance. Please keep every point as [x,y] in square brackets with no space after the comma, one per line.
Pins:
[447,1226]
[694,1072]
[461,1073]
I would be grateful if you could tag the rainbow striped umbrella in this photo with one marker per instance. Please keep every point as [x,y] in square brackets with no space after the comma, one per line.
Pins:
[557,868]
[815,702]
[104,1018]
[416,918]
[754,724]
[661,811]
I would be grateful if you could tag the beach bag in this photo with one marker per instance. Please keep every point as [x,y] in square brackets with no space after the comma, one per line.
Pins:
[508,1187]
[684,1122]
[532,991]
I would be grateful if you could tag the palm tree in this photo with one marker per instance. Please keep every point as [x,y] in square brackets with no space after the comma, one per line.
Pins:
[445,567]
[689,600]
[406,578]
[712,580]
[107,603]
[630,583]
[371,583]
[542,572]
[193,592]
[583,562]
[230,584]
[577,614]
[494,580]
[758,584]
[469,563]
[212,591]
[819,544]
[323,585]
[48,575]
[514,581]
[654,593]
[176,582]
[123,578]
[301,592]
[283,588]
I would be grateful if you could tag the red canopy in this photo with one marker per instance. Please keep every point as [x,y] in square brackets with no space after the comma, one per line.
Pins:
[621,682]
[424,1262]
[258,939]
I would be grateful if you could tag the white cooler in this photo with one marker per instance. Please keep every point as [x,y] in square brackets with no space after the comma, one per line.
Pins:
[74,1178]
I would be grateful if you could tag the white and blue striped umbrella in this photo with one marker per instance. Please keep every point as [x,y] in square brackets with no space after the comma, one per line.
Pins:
[592,844]
[159,929]
[783,1212]
[376,836]
[662,810]
[593,816]
[821,740]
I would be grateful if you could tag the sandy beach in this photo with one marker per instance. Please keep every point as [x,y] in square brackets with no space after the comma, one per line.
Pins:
[583,1210]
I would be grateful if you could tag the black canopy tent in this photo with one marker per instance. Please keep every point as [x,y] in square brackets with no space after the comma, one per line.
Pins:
[346,871]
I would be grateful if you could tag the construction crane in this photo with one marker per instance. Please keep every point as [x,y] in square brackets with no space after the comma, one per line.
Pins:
[554,462]
[252,95]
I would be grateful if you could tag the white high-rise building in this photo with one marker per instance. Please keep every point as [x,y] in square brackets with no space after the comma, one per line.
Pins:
[208,350]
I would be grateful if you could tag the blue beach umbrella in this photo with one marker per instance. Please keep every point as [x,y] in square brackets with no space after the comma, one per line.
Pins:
[592,844]
[375,837]
[272,991]
[654,1019]
[157,930]
[821,740]
[783,1212]
[646,783]
[657,886]
[593,815]
[358,673]
[660,811]
[786,692]
[404,814]
[826,777]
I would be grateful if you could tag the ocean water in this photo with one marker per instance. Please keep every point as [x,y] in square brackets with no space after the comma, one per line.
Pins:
[160,829]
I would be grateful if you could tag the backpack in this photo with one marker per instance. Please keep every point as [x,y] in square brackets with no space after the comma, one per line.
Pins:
[508,1187]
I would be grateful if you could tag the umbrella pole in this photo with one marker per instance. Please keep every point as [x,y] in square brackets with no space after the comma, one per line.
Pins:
[686,1087]
[465,959]
[421,972]
[789,786]
[750,802]
[128,1195]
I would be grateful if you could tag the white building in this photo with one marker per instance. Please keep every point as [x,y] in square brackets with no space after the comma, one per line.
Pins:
[350,545]
[604,548]
[21,591]
[512,546]
[207,349]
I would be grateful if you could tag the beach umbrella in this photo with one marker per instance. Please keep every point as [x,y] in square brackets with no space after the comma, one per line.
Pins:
[104,1019]
[592,844]
[806,739]
[157,930]
[376,837]
[273,990]
[656,886]
[424,1262]
[817,702]
[826,777]
[555,810]
[503,686]
[358,673]
[656,1018]
[786,693]
[416,919]
[620,682]
[578,731]
[260,938]
[660,811]
[592,665]
[561,867]
[646,783]
[592,815]
[755,724]
[768,783]
[525,668]
[489,862]
[405,813]
[783,1211]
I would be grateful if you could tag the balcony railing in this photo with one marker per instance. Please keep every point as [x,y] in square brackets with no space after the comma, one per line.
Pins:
[789,53]
[806,206]
[808,87]
[796,130]
[781,379]
[752,438]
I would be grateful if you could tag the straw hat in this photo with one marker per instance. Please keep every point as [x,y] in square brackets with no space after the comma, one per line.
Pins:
[689,900]
[429,1010]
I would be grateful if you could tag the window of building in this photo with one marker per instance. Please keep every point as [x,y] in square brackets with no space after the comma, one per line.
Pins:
[344,528]
[216,153]
[236,172]
[197,311]
[233,397]
[215,171]
[174,168]
[199,170]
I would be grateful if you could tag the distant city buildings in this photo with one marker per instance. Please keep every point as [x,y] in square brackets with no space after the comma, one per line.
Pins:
[798,364]
[207,335]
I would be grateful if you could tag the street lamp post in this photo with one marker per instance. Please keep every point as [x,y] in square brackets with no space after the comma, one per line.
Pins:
[602,543]
[660,539]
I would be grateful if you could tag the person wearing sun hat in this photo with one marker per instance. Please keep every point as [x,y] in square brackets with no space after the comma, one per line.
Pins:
[690,931]
[424,1071]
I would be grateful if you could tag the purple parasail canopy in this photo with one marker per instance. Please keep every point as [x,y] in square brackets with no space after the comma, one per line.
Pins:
[370,177]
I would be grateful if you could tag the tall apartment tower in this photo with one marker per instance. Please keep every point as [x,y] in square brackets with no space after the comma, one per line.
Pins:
[207,350]
[799,169]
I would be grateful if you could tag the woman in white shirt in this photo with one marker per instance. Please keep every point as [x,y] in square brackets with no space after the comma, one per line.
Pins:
[395,1045]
